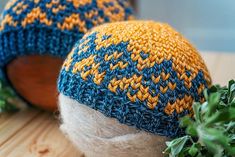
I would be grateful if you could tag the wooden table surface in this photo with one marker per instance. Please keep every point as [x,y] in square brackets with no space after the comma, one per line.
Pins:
[35,133]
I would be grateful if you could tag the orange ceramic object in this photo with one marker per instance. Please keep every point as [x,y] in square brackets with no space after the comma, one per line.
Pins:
[34,78]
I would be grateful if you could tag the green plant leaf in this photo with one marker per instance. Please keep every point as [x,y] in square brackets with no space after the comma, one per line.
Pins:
[197,113]
[176,146]
[0,84]
[6,94]
[213,135]
[185,121]
[230,126]
[193,150]
[225,115]
[213,101]
[191,129]
[205,93]
[211,132]
[231,91]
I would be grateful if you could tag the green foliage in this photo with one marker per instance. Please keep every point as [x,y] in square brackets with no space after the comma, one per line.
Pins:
[211,132]
[6,95]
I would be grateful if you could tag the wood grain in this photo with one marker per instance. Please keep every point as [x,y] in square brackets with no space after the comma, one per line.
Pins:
[12,123]
[40,138]
[34,78]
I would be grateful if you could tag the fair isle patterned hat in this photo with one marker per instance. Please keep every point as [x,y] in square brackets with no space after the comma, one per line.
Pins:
[142,73]
[52,26]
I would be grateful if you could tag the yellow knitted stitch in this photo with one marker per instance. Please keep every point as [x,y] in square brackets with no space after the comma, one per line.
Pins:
[71,22]
[7,20]
[59,8]
[68,60]
[36,1]
[156,79]
[171,85]
[115,55]
[120,64]
[20,7]
[179,105]
[94,13]
[52,3]
[78,3]
[83,47]
[89,62]
[91,14]
[36,14]
[97,21]
[56,6]
[200,89]
[124,83]
[79,66]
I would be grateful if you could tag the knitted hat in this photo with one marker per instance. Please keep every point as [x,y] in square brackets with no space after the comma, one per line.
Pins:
[142,73]
[52,26]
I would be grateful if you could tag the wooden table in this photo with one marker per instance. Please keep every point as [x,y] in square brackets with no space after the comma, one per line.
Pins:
[35,133]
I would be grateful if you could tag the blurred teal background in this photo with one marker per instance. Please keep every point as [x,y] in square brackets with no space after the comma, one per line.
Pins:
[209,25]
[2,3]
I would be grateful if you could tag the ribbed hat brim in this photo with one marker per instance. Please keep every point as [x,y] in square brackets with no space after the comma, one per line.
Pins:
[35,40]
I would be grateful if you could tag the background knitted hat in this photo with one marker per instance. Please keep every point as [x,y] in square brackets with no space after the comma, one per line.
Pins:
[142,74]
[52,26]
[39,28]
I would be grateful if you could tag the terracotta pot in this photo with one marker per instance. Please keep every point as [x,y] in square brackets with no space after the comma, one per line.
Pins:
[34,78]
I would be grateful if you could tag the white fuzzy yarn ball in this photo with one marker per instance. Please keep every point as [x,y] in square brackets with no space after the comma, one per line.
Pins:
[99,136]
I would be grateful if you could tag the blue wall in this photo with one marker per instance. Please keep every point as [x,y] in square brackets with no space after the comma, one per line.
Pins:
[209,24]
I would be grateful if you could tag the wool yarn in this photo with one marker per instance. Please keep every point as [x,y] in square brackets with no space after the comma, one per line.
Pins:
[143,74]
[53,26]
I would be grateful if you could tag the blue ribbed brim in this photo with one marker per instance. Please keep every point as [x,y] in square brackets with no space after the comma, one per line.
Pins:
[35,40]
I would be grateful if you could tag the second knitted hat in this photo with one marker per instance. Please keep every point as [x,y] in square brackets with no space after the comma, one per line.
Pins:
[52,26]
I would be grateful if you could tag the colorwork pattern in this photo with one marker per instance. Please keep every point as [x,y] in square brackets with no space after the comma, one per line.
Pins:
[53,26]
[142,73]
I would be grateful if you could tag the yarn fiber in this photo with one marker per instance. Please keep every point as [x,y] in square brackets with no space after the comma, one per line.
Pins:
[53,26]
[96,135]
[143,73]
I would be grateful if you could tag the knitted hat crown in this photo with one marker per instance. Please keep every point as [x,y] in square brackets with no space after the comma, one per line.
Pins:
[142,73]
[52,26]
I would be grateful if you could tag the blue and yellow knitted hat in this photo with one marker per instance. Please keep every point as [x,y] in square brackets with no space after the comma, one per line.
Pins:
[142,73]
[53,26]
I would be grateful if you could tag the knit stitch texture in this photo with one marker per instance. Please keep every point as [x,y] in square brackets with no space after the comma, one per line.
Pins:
[53,26]
[142,73]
